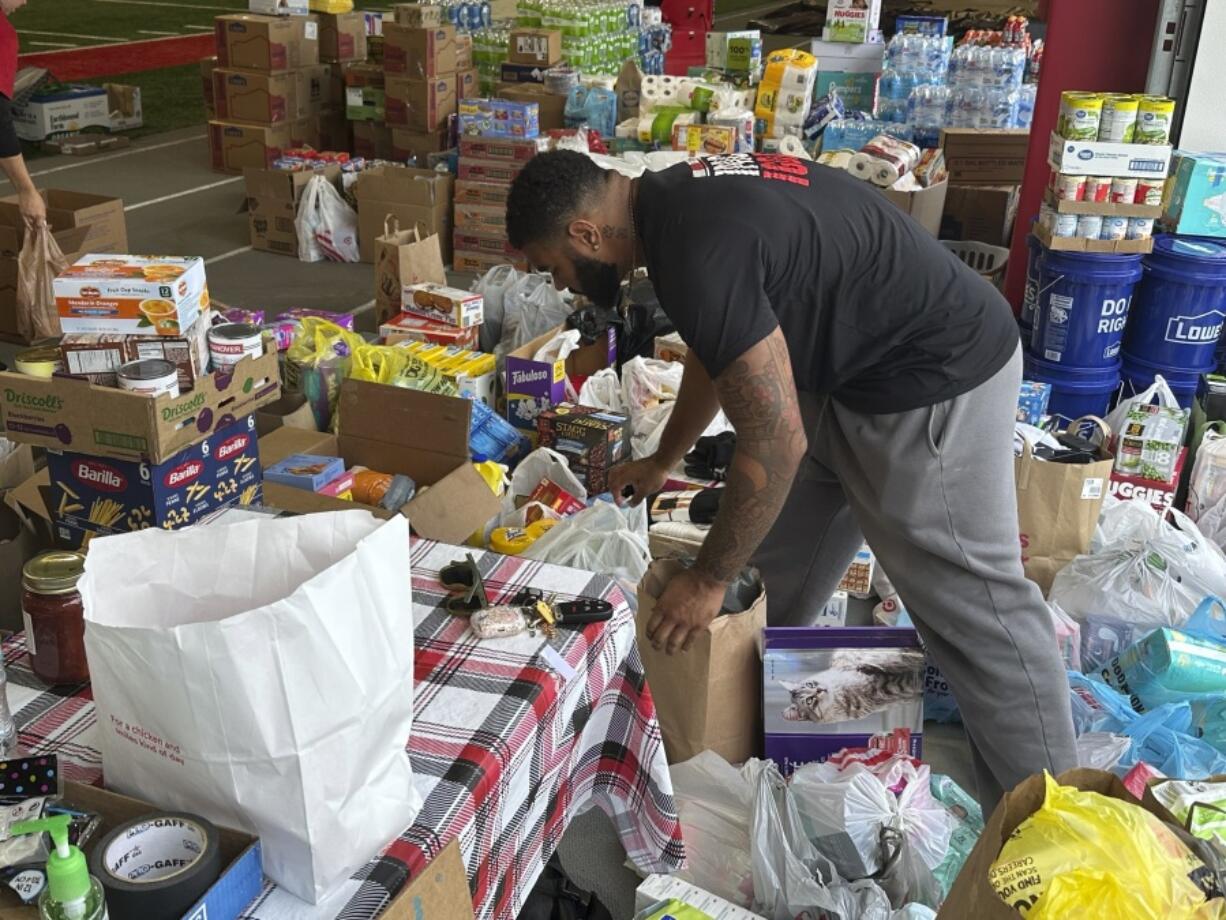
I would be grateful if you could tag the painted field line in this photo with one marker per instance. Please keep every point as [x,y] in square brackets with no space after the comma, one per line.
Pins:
[153,32]
[227,255]
[90,38]
[180,6]
[116,156]
[52,45]
[190,191]
[199,28]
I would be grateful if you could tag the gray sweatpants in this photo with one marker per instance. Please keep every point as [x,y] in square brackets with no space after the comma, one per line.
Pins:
[932,491]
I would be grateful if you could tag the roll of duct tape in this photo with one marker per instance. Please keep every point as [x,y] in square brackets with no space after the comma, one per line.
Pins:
[156,866]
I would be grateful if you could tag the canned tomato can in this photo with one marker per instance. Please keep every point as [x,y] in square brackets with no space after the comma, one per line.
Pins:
[1064,224]
[1123,190]
[1149,192]
[1118,122]
[149,377]
[1115,228]
[229,343]
[1140,228]
[1098,188]
[1154,117]
[1070,188]
[1090,226]
[1080,115]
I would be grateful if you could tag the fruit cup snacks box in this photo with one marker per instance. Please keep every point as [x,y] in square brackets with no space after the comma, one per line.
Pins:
[101,495]
[133,295]
[444,304]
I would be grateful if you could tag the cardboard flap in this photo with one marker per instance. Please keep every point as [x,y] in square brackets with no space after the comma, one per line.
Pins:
[453,507]
[16,467]
[402,184]
[431,428]
[28,500]
[440,891]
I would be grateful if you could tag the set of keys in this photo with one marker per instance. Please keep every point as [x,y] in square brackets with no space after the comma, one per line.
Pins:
[529,612]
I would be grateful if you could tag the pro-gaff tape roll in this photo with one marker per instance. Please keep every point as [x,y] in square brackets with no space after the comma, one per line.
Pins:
[156,867]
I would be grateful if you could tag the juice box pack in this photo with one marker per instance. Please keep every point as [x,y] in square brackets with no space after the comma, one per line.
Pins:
[133,295]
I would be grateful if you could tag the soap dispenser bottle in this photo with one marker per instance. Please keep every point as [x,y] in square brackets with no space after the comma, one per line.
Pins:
[71,892]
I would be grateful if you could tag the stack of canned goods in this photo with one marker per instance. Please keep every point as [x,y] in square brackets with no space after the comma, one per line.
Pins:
[1095,226]
[1115,117]
[1103,189]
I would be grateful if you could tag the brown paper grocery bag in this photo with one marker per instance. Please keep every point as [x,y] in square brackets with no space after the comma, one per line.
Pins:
[39,261]
[972,895]
[709,697]
[404,257]
[1057,508]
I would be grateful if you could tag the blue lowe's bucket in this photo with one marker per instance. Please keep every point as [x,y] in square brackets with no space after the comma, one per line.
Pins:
[1030,297]
[1075,391]
[1082,307]
[1180,306]
[1139,375]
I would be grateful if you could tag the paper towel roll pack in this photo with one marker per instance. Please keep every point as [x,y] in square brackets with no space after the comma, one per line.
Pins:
[884,160]
[785,92]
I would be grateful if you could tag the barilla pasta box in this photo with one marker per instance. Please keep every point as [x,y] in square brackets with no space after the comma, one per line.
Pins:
[99,495]
[405,327]
[442,304]
[132,295]
[825,689]
[533,386]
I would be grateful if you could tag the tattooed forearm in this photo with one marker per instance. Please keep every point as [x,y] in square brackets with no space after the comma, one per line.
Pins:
[759,396]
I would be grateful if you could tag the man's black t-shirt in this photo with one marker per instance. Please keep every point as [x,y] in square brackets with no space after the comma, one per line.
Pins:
[874,310]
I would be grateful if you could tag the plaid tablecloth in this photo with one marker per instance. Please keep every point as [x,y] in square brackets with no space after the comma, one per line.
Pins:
[510,742]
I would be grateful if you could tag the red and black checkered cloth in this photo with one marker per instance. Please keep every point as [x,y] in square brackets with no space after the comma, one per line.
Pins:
[508,744]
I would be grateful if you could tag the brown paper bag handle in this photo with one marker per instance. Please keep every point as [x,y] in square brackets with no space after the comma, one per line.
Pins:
[390,221]
[1103,428]
[1027,456]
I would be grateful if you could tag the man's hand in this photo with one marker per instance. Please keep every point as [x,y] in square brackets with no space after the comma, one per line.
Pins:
[32,208]
[646,477]
[689,603]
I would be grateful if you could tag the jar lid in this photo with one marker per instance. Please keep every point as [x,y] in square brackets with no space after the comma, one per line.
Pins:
[56,572]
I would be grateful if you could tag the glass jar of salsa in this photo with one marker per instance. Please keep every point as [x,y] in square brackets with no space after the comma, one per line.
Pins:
[55,617]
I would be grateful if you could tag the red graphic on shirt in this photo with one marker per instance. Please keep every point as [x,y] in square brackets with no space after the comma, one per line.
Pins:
[774,166]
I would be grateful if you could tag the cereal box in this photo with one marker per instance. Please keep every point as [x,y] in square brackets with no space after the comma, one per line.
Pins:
[443,304]
[134,295]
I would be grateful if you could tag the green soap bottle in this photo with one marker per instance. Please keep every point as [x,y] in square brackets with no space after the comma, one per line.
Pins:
[71,892]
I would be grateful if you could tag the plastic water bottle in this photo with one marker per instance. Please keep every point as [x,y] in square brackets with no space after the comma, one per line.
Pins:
[8,728]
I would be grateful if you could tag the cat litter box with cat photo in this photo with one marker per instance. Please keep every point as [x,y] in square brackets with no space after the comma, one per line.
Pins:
[827,689]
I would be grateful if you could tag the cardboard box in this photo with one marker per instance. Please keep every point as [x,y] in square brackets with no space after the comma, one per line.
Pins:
[418,53]
[413,145]
[101,216]
[535,47]
[498,171]
[533,386]
[515,74]
[1195,198]
[512,150]
[279,7]
[493,242]
[478,263]
[342,37]
[442,304]
[852,20]
[464,51]
[259,98]
[241,876]
[272,44]
[420,105]
[1103,208]
[61,413]
[792,656]
[1096,158]
[126,108]
[396,430]
[365,103]
[290,411]
[405,327]
[103,355]
[925,206]
[439,892]
[490,194]
[481,218]
[592,441]
[499,118]
[983,213]
[64,110]
[336,132]
[132,295]
[96,496]
[420,15]
[284,184]
[373,140]
[234,146]
[1159,495]
[550,107]
[414,196]
[1077,244]
[207,66]
[271,222]
[982,156]
[467,83]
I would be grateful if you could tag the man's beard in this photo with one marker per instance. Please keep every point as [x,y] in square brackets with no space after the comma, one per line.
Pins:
[599,281]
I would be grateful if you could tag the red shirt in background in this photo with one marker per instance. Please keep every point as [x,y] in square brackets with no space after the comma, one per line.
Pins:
[8,56]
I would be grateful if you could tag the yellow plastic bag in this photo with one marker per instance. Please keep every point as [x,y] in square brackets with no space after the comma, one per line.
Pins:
[377,363]
[316,361]
[1088,856]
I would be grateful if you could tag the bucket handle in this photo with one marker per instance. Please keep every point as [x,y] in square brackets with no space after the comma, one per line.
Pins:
[1039,292]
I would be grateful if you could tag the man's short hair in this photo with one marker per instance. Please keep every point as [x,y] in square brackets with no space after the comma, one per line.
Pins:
[548,193]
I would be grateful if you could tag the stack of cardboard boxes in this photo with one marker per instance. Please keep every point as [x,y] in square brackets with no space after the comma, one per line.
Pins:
[418,198]
[344,45]
[985,175]
[272,203]
[269,89]
[488,166]
[530,52]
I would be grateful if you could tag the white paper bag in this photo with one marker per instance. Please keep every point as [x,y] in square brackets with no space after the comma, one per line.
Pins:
[261,674]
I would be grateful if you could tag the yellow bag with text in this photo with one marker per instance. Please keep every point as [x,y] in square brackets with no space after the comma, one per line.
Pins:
[1089,856]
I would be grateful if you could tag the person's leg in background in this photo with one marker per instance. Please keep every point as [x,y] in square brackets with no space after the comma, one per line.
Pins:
[933,492]
[815,539]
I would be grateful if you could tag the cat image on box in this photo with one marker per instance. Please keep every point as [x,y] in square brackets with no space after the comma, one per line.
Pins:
[858,683]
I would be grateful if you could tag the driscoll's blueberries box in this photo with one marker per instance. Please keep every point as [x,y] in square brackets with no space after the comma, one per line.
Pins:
[533,386]
[100,495]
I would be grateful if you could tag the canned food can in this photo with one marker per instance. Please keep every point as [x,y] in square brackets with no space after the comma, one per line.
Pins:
[1115,228]
[1149,192]
[1090,226]
[149,377]
[229,343]
[1123,190]
[1118,122]
[1098,189]
[1080,115]
[1140,228]
[1070,188]
[1154,117]
[1064,225]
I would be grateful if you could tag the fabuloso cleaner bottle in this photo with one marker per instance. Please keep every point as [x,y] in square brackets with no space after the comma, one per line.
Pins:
[71,892]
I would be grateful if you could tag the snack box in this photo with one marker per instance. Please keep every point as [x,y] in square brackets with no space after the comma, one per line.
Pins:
[440,303]
[592,441]
[499,118]
[405,327]
[552,495]
[1032,401]
[135,295]
[100,355]
[341,487]
[471,372]
[706,140]
[532,386]
[306,471]
[100,495]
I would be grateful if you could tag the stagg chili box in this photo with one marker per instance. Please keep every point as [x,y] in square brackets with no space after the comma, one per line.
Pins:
[64,413]
[100,495]
[825,689]
[591,440]
[134,295]
[533,386]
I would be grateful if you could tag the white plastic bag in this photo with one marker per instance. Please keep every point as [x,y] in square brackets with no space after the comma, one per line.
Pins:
[1101,750]
[602,538]
[327,227]
[226,684]
[1159,392]
[715,803]
[649,392]
[542,463]
[1207,487]
[603,390]
[843,817]
[1068,636]
[492,286]
[559,347]
[531,307]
